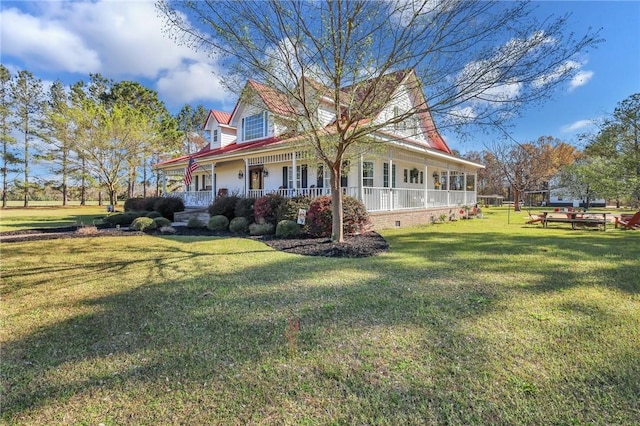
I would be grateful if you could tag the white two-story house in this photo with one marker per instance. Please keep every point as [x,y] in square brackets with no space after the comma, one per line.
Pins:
[412,173]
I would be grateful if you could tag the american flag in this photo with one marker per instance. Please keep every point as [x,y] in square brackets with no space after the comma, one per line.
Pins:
[189,170]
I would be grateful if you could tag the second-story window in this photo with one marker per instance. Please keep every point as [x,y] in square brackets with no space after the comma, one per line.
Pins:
[254,126]
[215,135]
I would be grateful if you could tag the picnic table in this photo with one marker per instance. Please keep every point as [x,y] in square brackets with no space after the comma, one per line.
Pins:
[575,218]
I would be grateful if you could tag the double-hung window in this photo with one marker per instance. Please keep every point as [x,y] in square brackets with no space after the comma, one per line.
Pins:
[385,175]
[301,177]
[254,126]
[367,173]
[323,177]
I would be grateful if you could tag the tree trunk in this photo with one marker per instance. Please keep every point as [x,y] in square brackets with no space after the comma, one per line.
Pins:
[4,175]
[337,234]
[112,197]
[64,179]
[26,168]
[516,200]
[144,180]
[4,184]
[83,200]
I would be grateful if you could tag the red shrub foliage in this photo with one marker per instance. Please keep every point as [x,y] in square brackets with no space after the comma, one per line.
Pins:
[268,209]
[355,219]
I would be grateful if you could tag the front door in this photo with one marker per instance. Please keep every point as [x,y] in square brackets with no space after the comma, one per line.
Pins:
[255,178]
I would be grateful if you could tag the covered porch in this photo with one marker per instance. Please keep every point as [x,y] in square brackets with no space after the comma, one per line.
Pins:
[398,181]
[374,199]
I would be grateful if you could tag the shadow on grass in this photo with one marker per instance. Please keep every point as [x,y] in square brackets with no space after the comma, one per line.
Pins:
[229,329]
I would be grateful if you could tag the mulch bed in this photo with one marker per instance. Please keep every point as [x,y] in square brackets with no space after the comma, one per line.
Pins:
[364,245]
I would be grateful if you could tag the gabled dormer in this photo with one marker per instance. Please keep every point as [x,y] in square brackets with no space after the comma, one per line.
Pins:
[218,129]
[407,96]
[260,113]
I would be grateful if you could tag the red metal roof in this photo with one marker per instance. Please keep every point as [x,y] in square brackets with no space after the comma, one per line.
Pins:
[221,117]
[274,100]
[228,149]
[278,103]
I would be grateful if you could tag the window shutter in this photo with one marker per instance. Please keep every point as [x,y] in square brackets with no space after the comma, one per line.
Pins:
[304,177]
[285,177]
[320,177]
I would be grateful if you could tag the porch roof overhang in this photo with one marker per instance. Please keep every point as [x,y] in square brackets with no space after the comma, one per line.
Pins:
[416,146]
[229,152]
[236,151]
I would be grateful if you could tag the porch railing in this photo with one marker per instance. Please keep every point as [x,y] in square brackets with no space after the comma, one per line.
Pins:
[193,198]
[375,199]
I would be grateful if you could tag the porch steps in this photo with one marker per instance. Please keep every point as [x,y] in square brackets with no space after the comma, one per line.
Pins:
[201,213]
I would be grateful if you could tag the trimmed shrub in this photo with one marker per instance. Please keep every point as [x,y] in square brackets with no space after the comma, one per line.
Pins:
[194,222]
[87,230]
[268,209]
[319,217]
[261,229]
[244,208]
[138,204]
[168,206]
[122,219]
[239,225]
[143,224]
[218,223]
[225,206]
[355,218]
[153,215]
[167,230]
[161,221]
[290,206]
[287,228]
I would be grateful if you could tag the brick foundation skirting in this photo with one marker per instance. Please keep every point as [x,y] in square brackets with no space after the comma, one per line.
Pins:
[407,218]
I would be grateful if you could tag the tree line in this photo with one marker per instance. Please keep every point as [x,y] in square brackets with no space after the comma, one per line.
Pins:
[99,135]
[607,167]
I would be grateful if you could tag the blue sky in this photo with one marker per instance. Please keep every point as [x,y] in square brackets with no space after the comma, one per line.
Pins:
[124,40]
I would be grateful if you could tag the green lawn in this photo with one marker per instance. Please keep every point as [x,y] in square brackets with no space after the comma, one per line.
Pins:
[14,219]
[472,322]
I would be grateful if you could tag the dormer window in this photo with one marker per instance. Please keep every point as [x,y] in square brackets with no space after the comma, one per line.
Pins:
[215,135]
[401,125]
[254,126]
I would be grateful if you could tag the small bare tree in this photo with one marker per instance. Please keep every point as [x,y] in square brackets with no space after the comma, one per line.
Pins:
[529,165]
[477,61]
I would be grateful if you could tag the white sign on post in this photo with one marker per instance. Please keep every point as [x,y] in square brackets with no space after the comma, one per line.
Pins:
[302,216]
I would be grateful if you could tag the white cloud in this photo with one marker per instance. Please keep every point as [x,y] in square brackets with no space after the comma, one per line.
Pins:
[38,42]
[560,71]
[580,79]
[189,83]
[577,126]
[120,40]
[462,115]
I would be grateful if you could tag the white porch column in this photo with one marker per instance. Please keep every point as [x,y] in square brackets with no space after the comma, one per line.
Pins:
[213,181]
[464,183]
[246,177]
[360,183]
[391,182]
[164,183]
[426,186]
[448,186]
[475,187]
[294,172]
